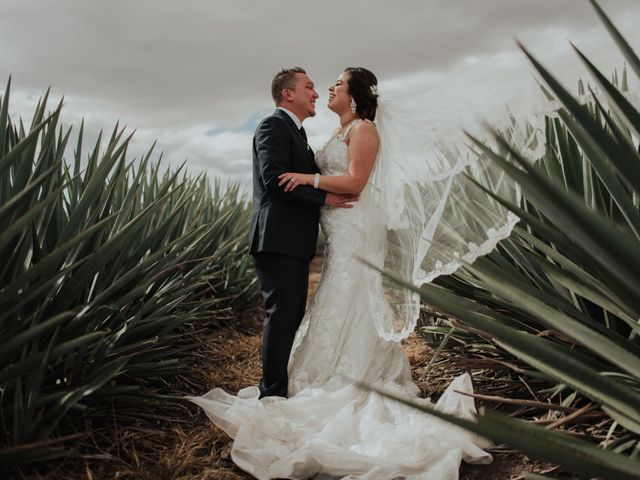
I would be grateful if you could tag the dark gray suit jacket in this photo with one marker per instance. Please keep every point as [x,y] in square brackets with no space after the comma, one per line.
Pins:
[283,222]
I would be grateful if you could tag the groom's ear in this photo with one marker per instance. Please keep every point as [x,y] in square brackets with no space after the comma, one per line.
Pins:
[287,94]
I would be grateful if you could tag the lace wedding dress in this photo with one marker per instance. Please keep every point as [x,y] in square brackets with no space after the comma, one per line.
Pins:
[329,427]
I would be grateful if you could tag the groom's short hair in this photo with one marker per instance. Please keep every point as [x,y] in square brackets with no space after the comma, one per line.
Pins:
[285,78]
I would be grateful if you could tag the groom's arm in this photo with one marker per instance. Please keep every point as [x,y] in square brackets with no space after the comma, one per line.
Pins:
[272,151]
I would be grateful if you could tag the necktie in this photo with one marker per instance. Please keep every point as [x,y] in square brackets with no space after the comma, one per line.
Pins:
[304,135]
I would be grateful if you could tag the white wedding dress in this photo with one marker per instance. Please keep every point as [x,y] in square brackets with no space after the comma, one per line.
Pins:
[329,427]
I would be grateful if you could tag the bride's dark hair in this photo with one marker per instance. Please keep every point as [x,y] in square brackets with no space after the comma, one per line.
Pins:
[360,82]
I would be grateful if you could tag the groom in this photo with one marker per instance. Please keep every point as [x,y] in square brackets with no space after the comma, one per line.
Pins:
[284,229]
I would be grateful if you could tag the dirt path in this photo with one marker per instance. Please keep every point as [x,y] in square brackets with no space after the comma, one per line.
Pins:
[192,448]
[507,464]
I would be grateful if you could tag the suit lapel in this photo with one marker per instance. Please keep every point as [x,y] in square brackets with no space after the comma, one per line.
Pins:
[293,126]
[299,136]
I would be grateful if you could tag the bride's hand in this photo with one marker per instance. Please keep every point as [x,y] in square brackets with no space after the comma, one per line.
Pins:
[292,180]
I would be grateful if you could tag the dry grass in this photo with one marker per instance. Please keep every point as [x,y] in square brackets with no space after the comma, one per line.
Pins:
[179,442]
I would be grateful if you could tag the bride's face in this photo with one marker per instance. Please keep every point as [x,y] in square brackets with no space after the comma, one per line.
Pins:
[339,98]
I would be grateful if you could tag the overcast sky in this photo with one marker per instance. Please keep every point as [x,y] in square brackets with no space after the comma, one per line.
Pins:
[195,74]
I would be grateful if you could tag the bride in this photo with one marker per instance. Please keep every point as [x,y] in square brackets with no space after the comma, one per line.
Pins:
[330,426]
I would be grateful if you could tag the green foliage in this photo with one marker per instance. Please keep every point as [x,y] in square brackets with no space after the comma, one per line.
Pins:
[105,263]
[561,294]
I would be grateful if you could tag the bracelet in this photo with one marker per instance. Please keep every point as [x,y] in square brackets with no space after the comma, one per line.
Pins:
[316,180]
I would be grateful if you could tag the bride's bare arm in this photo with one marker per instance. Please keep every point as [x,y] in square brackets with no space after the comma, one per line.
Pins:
[363,144]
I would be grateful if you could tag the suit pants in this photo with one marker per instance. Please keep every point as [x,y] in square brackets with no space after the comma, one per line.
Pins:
[284,281]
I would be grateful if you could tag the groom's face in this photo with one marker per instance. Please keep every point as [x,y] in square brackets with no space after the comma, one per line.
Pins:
[302,98]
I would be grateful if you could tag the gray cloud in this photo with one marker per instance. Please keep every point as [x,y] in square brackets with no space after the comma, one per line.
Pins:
[180,70]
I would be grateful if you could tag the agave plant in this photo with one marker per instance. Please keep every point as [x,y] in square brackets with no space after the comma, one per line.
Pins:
[571,268]
[104,263]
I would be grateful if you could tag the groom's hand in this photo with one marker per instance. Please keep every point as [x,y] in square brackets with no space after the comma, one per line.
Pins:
[336,200]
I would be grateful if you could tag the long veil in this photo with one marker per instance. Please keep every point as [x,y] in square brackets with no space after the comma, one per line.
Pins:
[426,177]
[435,215]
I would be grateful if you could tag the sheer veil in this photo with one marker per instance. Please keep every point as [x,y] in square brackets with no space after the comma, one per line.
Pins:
[436,218]
[425,181]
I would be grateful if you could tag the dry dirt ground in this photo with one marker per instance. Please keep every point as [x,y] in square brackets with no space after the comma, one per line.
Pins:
[181,443]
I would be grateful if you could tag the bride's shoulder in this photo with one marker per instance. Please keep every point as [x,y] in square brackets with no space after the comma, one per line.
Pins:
[364,128]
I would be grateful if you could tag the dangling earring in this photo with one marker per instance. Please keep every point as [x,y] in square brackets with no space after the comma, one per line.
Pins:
[353,105]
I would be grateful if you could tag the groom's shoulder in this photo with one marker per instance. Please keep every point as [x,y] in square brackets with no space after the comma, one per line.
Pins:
[276,116]
[275,120]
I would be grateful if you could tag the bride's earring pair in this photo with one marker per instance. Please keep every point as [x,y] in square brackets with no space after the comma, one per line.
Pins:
[353,105]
